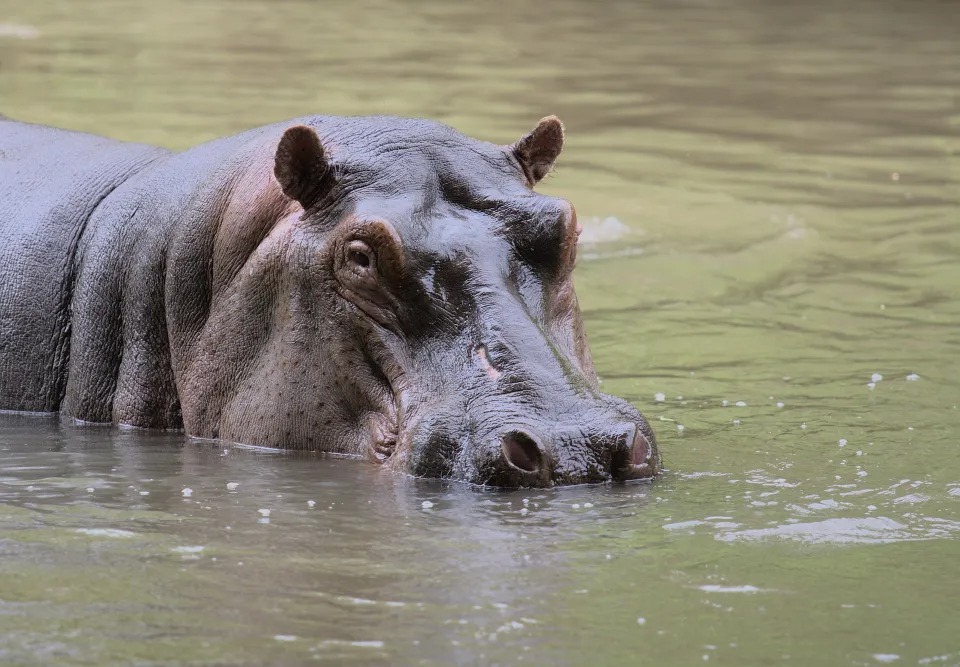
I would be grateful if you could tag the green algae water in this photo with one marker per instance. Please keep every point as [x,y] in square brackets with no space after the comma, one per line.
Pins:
[770,271]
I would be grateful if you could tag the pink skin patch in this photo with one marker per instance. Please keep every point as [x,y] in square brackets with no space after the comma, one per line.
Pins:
[492,372]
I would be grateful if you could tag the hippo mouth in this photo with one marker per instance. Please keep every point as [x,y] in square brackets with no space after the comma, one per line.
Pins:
[384,427]
[386,424]
[384,439]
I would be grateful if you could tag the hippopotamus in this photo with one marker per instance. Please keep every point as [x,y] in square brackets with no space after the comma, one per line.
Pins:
[376,287]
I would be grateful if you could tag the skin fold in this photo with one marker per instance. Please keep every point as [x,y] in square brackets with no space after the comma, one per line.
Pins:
[371,286]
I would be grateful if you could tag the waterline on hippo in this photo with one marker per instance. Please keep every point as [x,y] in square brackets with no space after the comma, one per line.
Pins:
[376,287]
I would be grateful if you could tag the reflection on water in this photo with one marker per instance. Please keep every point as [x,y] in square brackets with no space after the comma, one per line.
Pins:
[770,272]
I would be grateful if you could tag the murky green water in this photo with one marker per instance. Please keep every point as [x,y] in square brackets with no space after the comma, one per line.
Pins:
[772,200]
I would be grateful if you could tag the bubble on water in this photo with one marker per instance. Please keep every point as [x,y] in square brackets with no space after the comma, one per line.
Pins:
[871,385]
[862,473]
[716,588]
[680,427]
[736,422]
[886,657]
[576,506]
[526,501]
[106,532]
[588,504]
[741,404]
[842,442]
[660,397]
[426,504]
[188,550]
[779,404]
[264,512]
[232,486]
[609,557]
[311,503]
[18,31]
[876,377]
[641,621]
[724,402]
[285,638]
[144,493]
[187,492]
[524,511]
[90,489]
[803,425]
[913,377]
[911,499]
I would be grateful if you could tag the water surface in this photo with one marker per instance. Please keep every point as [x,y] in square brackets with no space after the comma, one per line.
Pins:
[770,271]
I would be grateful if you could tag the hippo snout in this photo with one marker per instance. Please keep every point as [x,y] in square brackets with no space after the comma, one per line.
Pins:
[524,457]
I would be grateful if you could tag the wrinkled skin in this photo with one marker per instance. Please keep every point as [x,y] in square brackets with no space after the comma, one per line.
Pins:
[380,287]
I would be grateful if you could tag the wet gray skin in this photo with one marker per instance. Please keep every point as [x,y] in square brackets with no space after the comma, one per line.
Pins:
[379,287]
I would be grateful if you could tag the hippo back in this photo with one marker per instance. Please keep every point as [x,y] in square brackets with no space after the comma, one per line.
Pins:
[51,182]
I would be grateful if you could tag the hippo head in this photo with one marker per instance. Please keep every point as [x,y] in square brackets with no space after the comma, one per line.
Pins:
[416,306]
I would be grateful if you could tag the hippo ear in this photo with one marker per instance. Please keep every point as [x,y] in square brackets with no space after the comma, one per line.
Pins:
[539,150]
[301,165]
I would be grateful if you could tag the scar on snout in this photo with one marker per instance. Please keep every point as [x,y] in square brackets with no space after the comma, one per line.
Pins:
[491,371]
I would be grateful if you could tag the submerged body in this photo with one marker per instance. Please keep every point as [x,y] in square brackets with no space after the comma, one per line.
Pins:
[381,287]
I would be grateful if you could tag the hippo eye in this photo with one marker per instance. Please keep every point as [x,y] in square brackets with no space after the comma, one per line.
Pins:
[359,254]
[360,258]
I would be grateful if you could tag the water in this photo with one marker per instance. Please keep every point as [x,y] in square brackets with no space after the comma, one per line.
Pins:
[771,202]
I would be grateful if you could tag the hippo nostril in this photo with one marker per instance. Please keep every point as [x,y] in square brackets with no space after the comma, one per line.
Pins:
[521,451]
[640,450]
[634,457]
